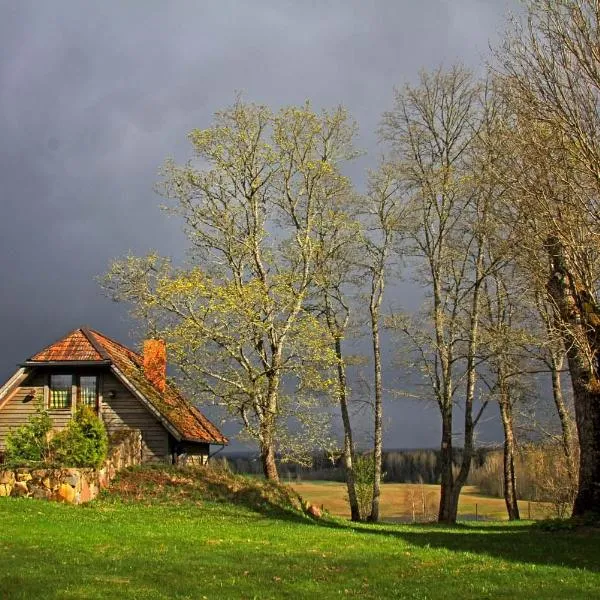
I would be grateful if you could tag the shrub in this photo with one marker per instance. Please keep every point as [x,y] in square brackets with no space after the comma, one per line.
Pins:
[30,444]
[83,443]
[364,472]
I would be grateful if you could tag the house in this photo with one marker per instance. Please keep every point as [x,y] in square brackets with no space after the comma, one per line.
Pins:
[128,390]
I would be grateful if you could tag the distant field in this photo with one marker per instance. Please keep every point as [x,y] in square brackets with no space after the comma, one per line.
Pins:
[399,500]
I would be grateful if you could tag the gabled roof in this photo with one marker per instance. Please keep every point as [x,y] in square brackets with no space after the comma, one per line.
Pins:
[75,346]
[86,346]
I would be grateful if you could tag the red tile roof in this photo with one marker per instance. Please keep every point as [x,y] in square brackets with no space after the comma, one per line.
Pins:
[75,346]
[92,346]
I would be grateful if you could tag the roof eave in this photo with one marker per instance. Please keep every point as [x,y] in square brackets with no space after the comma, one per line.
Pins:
[224,442]
[13,382]
[66,363]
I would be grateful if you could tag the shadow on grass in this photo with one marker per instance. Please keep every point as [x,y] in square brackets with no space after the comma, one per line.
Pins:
[519,543]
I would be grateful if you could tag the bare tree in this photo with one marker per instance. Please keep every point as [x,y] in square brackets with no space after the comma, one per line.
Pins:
[552,355]
[431,130]
[336,277]
[382,218]
[503,338]
[552,69]
[552,72]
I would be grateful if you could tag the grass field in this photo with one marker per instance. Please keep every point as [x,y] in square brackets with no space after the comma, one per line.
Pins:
[176,545]
[403,501]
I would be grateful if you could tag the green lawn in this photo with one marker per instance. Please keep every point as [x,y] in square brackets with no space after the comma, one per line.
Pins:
[192,549]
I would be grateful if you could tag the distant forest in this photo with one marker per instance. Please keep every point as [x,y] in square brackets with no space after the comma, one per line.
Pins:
[399,466]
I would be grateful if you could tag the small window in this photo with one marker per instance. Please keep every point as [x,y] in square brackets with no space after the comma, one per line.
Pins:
[88,390]
[61,391]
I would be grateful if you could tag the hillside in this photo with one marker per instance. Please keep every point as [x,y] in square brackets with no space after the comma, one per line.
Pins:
[163,534]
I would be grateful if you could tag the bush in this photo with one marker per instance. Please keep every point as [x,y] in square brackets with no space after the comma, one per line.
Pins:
[364,471]
[83,442]
[29,444]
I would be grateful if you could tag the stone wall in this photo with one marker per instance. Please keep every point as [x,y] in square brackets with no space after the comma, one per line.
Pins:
[74,486]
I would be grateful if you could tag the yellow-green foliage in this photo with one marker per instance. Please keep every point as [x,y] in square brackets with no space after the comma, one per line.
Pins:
[236,318]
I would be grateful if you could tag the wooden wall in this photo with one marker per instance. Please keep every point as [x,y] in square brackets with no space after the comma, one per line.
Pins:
[125,410]
[21,405]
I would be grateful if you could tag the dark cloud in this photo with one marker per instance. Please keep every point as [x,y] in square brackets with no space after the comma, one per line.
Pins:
[94,96]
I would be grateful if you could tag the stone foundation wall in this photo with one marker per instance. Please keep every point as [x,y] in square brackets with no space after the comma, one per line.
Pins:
[74,486]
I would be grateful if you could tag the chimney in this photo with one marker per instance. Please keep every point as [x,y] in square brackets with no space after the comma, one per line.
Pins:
[155,363]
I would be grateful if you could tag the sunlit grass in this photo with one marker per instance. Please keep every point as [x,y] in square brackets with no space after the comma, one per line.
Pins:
[178,545]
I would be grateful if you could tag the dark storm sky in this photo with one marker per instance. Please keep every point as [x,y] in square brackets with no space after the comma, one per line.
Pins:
[95,95]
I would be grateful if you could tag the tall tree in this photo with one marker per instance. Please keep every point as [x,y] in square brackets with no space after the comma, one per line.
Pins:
[337,272]
[235,317]
[382,220]
[430,129]
[552,356]
[552,73]
[502,340]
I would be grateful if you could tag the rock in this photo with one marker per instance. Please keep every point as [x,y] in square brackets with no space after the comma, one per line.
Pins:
[314,511]
[20,489]
[24,475]
[41,493]
[86,494]
[73,477]
[7,477]
[5,489]
[66,493]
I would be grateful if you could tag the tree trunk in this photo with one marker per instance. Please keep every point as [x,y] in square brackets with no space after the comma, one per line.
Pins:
[580,318]
[378,433]
[510,480]
[449,498]
[348,443]
[563,415]
[448,503]
[267,428]
[267,457]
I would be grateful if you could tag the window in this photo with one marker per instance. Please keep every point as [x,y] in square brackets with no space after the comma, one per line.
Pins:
[88,390]
[61,388]
[61,391]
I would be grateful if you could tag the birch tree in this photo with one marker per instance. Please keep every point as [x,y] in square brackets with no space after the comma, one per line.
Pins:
[336,278]
[382,220]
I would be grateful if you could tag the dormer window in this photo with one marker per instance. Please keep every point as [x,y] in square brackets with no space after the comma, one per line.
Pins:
[61,392]
[65,389]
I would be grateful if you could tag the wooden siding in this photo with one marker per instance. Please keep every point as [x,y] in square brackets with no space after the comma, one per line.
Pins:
[125,410]
[21,405]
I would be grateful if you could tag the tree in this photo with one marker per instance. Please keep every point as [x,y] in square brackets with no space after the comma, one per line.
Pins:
[553,356]
[431,129]
[234,317]
[382,216]
[336,276]
[552,72]
[502,340]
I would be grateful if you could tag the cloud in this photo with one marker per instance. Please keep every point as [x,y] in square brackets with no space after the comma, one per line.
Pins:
[94,96]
